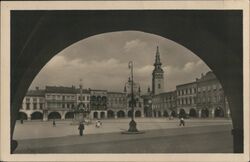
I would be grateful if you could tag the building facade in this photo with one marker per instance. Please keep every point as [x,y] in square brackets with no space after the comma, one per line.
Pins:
[186,99]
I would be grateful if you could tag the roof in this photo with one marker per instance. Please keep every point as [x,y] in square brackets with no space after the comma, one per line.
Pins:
[35,93]
[83,90]
[186,84]
[60,89]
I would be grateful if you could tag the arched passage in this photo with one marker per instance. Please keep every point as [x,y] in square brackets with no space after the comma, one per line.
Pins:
[204,113]
[218,112]
[54,115]
[69,115]
[138,113]
[120,114]
[192,113]
[200,26]
[111,114]
[22,116]
[173,114]
[95,115]
[36,115]
[165,114]
[182,113]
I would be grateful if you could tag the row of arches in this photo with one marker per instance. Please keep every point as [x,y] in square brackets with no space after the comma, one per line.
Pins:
[122,114]
[39,116]
[204,113]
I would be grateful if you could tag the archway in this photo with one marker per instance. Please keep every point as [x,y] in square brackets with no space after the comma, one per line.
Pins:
[69,115]
[192,113]
[54,115]
[120,114]
[173,114]
[138,113]
[95,115]
[218,112]
[182,113]
[165,23]
[110,114]
[36,115]
[22,115]
[204,113]
[165,114]
[102,114]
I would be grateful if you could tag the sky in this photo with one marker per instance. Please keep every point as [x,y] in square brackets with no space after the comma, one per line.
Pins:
[101,61]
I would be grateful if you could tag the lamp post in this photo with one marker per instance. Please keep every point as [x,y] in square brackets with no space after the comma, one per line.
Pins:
[132,124]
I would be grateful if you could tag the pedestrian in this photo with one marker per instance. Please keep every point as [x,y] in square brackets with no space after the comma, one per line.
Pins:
[81,128]
[182,122]
[54,123]
[97,124]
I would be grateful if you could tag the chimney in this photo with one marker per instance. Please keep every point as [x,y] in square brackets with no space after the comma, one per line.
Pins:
[37,88]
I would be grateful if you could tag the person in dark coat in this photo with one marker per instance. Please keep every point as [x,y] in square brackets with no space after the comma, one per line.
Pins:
[81,128]
[54,123]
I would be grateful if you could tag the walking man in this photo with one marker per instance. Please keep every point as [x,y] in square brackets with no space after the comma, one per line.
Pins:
[182,122]
[81,128]
[54,123]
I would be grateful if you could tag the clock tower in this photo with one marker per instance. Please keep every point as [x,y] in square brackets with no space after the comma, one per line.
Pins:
[157,75]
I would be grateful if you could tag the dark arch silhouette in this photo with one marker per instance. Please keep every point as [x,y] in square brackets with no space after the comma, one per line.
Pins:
[36,115]
[192,113]
[54,115]
[138,113]
[165,114]
[202,32]
[22,115]
[120,114]
[95,115]
[205,113]
[173,113]
[130,113]
[219,112]
[111,114]
[69,115]
[182,113]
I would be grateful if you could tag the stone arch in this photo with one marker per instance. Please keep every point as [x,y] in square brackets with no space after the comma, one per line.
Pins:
[165,113]
[219,112]
[111,114]
[95,115]
[138,113]
[204,113]
[173,114]
[121,114]
[22,115]
[192,113]
[163,23]
[36,115]
[69,115]
[182,113]
[54,115]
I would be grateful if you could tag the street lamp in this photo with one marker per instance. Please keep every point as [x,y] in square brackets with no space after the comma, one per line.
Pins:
[132,124]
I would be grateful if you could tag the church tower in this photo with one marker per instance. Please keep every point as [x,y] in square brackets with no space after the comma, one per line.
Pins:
[157,75]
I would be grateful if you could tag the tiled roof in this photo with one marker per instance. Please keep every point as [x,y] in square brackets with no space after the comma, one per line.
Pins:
[60,89]
[186,84]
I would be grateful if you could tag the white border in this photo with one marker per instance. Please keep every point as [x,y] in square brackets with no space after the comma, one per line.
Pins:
[107,5]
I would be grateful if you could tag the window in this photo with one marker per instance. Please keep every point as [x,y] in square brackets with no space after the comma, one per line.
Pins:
[41,106]
[88,98]
[83,98]
[34,106]
[34,99]
[41,100]
[63,105]
[159,86]
[67,105]
[27,106]
[27,99]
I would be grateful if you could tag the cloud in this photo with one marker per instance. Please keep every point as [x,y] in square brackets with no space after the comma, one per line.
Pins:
[136,43]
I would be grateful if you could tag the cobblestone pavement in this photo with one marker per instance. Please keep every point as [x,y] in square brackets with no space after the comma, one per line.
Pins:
[40,129]
[198,139]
